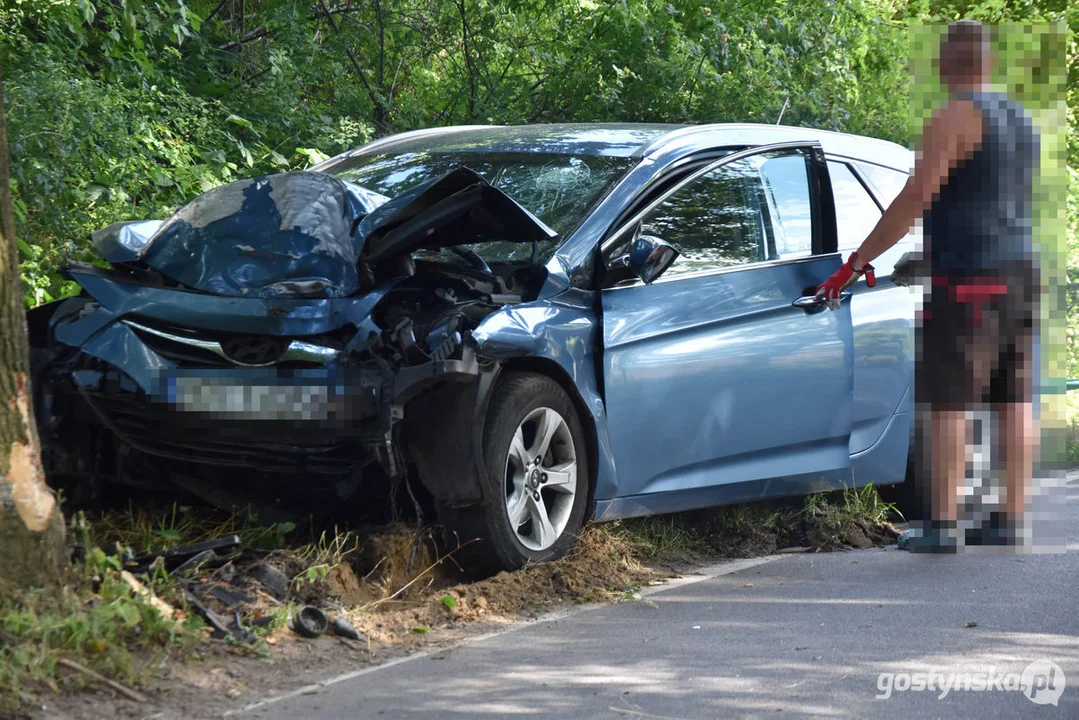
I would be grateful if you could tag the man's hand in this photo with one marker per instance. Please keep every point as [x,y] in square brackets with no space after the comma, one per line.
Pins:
[842,279]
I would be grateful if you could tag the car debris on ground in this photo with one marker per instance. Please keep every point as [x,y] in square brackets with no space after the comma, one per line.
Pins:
[233,588]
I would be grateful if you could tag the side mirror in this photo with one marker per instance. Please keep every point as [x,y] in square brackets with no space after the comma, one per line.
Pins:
[649,257]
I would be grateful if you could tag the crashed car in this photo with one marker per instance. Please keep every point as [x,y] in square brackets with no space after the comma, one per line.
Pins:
[529,326]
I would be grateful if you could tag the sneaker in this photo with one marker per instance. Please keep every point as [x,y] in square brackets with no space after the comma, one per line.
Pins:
[1002,531]
[937,538]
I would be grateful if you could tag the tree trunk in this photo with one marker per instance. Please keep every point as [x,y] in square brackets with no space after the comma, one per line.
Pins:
[31,524]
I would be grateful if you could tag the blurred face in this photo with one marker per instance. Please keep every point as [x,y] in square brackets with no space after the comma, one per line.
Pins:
[963,61]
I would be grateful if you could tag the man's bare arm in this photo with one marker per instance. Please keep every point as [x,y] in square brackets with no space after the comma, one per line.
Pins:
[949,137]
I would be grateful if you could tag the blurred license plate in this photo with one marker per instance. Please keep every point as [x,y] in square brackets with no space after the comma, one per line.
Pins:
[252,400]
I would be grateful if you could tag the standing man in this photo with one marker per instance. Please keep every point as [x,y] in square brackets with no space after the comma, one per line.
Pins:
[972,185]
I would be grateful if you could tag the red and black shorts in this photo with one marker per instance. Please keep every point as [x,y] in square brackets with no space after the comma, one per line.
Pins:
[975,341]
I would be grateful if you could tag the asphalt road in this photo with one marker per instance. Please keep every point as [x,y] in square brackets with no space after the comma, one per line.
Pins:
[810,638]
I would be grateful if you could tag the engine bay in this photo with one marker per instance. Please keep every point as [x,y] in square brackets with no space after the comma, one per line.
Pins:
[430,312]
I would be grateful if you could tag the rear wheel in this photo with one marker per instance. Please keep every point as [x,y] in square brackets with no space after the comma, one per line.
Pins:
[536,478]
[979,490]
[911,496]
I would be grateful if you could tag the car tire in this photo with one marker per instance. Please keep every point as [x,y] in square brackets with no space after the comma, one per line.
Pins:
[911,497]
[532,480]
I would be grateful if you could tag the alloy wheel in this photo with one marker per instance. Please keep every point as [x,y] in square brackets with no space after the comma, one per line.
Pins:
[541,478]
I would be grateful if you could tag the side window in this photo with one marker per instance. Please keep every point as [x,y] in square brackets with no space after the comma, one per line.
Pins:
[790,210]
[885,181]
[754,209]
[856,211]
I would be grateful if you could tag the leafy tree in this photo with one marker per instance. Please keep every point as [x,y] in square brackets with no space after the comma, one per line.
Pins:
[123,109]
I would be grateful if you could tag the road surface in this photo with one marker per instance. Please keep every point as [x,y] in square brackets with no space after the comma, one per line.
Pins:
[811,637]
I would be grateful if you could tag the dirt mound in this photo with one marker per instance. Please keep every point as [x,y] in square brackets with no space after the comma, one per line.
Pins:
[343,584]
[745,545]
[600,567]
[392,557]
[395,587]
[825,532]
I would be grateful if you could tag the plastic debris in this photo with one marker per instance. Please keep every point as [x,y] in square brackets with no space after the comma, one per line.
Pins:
[272,579]
[194,563]
[177,554]
[341,626]
[309,622]
[229,597]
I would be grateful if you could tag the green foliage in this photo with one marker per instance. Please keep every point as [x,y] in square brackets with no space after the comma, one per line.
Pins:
[656,535]
[311,576]
[124,109]
[855,506]
[824,520]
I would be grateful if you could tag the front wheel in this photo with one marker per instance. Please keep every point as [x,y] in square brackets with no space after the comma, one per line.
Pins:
[536,478]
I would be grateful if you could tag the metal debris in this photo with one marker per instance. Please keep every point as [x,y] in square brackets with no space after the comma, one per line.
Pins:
[173,556]
[230,598]
[218,623]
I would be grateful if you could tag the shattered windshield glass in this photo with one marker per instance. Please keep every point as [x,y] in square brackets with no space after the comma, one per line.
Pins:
[558,189]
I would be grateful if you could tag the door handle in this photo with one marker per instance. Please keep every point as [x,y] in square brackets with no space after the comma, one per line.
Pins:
[815,303]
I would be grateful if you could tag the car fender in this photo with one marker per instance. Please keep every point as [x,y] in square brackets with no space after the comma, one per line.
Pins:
[563,330]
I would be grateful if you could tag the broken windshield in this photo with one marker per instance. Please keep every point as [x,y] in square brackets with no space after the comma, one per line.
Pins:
[558,189]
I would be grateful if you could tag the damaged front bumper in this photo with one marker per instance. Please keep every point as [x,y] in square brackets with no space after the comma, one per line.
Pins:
[327,405]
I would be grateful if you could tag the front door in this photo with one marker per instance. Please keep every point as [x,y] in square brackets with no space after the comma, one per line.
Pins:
[717,388]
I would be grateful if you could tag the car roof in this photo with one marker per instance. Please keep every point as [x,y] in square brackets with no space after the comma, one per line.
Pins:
[610,139]
[858,147]
[628,140]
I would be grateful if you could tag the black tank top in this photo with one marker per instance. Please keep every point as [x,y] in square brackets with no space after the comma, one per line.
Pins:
[982,222]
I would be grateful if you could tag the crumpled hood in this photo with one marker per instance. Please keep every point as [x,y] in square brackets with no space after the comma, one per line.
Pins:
[284,234]
[307,234]
[458,208]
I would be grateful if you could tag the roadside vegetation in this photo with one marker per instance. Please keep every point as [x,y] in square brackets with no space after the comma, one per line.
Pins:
[96,625]
[125,109]
[119,624]
[856,518]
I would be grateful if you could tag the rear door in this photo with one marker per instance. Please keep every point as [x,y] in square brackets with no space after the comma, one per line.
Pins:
[718,389]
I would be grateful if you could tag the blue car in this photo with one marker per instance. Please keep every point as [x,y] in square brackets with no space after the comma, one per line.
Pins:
[526,328]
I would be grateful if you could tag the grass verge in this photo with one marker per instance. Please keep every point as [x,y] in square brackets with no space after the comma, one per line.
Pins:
[97,621]
[825,521]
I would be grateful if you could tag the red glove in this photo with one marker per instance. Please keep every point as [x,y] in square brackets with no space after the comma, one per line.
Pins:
[842,279]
